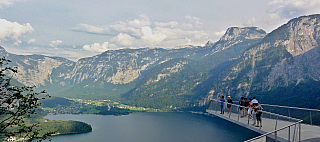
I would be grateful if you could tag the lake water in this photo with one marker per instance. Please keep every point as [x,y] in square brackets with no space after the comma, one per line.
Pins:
[155,127]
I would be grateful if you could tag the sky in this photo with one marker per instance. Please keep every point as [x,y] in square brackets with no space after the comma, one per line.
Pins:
[76,29]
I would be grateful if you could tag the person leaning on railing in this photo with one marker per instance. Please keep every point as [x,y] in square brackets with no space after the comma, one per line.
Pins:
[258,108]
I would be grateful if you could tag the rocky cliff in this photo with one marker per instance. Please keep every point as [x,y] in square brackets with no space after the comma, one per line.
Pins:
[286,57]
[175,83]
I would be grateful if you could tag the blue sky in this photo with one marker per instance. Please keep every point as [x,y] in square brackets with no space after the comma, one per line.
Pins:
[81,28]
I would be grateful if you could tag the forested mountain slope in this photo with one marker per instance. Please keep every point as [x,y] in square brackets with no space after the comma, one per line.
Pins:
[283,69]
[174,84]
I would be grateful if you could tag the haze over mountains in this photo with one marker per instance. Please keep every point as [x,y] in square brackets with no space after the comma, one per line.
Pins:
[282,65]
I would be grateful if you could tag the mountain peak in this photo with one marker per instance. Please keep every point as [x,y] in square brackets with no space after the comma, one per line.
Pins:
[236,35]
[209,43]
[2,49]
[298,36]
[233,33]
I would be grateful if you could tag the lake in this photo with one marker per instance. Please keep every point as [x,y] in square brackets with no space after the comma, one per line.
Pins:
[155,127]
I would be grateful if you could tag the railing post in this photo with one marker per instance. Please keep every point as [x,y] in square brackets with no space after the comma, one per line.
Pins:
[294,132]
[299,131]
[289,115]
[310,118]
[276,123]
[230,110]
[238,112]
[217,107]
[289,134]
[248,119]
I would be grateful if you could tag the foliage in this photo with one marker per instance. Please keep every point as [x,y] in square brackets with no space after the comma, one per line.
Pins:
[54,101]
[104,110]
[65,127]
[17,104]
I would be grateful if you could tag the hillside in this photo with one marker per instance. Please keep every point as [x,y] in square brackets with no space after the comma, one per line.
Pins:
[173,84]
[282,69]
[244,62]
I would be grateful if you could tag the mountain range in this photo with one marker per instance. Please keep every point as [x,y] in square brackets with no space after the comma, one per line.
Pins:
[275,67]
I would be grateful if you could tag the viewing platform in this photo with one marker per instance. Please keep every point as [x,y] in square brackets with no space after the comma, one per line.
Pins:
[274,127]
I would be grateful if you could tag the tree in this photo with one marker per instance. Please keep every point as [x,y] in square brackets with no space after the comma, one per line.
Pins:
[17,105]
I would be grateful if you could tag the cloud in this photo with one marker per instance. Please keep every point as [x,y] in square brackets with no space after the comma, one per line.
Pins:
[288,9]
[123,40]
[13,30]
[55,43]
[150,38]
[139,23]
[195,20]
[142,32]
[248,23]
[171,24]
[130,27]
[7,2]
[91,29]
[219,34]
[97,47]
[31,40]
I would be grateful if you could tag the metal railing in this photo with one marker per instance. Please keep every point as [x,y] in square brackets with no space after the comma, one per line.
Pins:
[305,114]
[285,128]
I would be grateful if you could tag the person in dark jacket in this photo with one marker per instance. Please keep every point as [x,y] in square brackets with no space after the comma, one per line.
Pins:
[229,100]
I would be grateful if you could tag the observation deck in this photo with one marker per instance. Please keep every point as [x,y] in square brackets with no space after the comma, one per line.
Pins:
[278,123]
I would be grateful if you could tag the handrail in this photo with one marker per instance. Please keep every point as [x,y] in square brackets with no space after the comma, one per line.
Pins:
[291,107]
[261,111]
[298,121]
[258,137]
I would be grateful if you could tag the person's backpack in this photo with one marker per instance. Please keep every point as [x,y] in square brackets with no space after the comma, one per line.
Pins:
[259,109]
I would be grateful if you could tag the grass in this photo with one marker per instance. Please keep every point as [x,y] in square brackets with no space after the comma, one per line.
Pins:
[137,109]
[98,103]
[48,108]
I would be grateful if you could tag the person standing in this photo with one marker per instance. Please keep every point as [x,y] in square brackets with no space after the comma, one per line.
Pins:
[250,108]
[246,104]
[254,112]
[258,114]
[222,100]
[241,103]
[254,101]
[229,100]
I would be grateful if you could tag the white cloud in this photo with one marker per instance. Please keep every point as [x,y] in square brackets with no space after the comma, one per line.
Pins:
[123,27]
[195,20]
[123,40]
[13,30]
[139,23]
[97,47]
[171,24]
[55,43]
[248,22]
[283,10]
[192,18]
[151,39]
[91,29]
[219,34]
[31,40]
[7,2]
[142,32]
